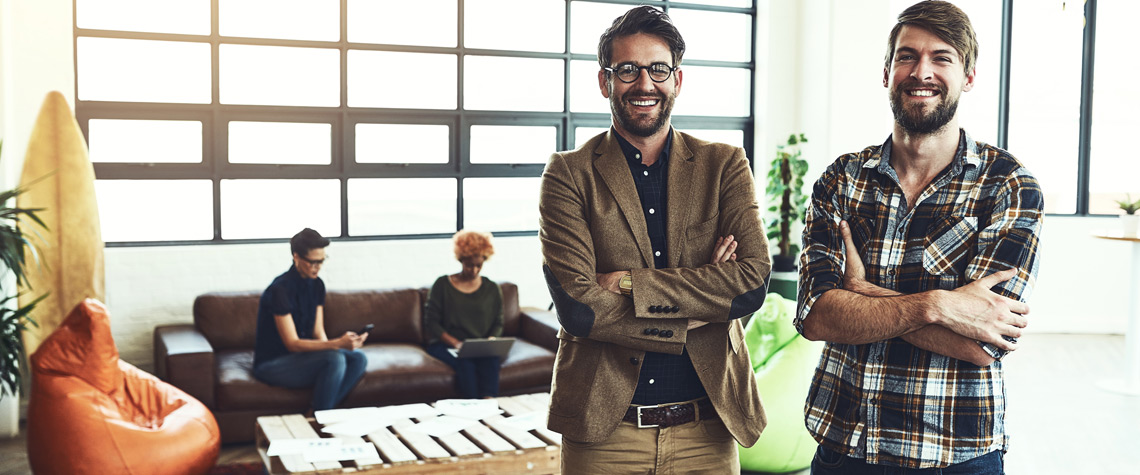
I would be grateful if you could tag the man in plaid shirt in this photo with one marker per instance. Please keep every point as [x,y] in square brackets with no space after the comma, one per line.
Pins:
[918,257]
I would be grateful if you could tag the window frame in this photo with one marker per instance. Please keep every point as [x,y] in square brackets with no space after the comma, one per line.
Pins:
[215,117]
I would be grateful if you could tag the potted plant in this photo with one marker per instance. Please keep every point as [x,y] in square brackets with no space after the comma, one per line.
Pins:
[15,247]
[1130,220]
[786,202]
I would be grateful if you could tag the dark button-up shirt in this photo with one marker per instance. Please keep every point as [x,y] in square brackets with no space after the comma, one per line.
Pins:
[289,294]
[664,377]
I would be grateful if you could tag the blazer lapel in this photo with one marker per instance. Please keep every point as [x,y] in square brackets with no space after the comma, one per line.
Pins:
[611,166]
[680,199]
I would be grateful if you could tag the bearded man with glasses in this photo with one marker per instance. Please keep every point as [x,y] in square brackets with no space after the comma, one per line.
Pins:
[652,375]
[292,349]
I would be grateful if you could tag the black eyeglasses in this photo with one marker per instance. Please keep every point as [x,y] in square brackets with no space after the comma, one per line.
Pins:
[628,72]
[314,262]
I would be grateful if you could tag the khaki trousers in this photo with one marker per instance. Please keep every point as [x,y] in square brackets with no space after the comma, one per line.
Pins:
[703,446]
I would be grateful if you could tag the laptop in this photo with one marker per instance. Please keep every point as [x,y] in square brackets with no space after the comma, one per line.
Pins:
[482,347]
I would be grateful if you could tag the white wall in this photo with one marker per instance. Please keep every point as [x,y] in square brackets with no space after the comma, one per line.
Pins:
[824,59]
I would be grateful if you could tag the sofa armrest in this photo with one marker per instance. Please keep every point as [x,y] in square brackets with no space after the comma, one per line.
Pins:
[184,358]
[539,327]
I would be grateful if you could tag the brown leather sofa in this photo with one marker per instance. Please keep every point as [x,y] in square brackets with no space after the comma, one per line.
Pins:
[212,359]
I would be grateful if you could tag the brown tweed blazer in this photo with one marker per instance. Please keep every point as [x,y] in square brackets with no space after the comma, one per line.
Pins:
[592,222]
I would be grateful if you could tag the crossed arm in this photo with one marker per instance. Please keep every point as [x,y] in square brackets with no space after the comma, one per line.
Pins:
[949,323]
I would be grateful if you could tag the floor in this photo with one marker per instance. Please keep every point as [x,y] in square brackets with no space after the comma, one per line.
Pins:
[1059,420]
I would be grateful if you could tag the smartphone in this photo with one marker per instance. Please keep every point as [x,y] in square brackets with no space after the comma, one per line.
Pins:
[367,328]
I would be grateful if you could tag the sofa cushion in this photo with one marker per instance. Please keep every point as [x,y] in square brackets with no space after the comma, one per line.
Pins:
[401,373]
[238,390]
[527,365]
[397,314]
[228,319]
[510,308]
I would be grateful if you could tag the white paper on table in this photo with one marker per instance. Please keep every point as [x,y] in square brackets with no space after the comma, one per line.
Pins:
[332,416]
[297,446]
[476,409]
[406,411]
[357,428]
[528,421]
[443,425]
[353,451]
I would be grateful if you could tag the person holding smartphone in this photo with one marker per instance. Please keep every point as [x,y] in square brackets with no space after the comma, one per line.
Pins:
[292,349]
[466,305]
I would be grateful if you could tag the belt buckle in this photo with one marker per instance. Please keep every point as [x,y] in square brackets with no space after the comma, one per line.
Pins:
[639,424]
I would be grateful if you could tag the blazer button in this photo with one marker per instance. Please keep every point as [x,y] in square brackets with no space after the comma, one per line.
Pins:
[652,309]
[646,331]
[633,361]
[667,333]
[675,309]
[654,331]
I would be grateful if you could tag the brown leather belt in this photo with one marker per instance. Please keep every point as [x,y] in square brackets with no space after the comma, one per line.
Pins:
[667,415]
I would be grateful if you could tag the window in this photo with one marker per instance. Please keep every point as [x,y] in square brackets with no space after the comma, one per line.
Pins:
[245,120]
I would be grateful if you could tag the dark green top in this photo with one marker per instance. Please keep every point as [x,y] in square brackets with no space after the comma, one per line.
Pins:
[478,314]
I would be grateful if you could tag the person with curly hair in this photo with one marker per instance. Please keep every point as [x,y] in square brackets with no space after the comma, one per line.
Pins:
[467,305]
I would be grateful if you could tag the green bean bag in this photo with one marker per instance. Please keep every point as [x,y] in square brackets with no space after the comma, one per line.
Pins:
[784,363]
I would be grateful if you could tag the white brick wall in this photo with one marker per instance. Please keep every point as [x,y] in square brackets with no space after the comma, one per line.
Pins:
[150,286]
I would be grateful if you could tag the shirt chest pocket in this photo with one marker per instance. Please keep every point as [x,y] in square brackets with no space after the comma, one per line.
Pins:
[949,245]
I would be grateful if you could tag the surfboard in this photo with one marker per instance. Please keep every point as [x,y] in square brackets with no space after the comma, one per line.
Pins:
[58,177]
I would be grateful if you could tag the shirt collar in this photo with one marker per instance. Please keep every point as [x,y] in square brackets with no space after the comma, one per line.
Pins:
[632,152]
[966,155]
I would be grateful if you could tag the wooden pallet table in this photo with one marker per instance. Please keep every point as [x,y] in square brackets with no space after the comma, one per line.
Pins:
[491,447]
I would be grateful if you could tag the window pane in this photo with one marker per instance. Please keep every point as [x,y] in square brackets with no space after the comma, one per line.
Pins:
[143,70]
[1049,38]
[500,204]
[512,144]
[155,210]
[253,209]
[281,143]
[585,95]
[725,3]
[403,143]
[535,25]
[400,22]
[402,80]
[588,20]
[287,19]
[536,84]
[144,141]
[389,206]
[277,75]
[714,91]
[584,134]
[1114,166]
[168,16]
[715,35]
[731,137]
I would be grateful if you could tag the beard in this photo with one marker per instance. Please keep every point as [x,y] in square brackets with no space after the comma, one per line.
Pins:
[643,126]
[912,119]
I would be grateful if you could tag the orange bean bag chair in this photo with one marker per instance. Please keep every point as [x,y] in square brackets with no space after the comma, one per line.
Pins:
[90,412]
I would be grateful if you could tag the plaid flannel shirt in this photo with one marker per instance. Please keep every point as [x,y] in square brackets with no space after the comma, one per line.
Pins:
[890,402]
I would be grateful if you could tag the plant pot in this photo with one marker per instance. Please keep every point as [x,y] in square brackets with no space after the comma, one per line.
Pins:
[1129,224]
[9,415]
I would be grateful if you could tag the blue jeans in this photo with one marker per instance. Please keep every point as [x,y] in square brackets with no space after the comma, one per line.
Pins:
[331,374]
[830,462]
[476,377]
